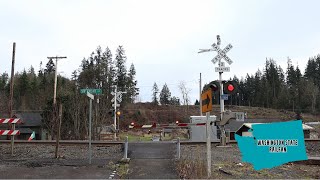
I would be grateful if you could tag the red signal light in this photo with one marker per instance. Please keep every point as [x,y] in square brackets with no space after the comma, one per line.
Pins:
[132,123]
[230,87]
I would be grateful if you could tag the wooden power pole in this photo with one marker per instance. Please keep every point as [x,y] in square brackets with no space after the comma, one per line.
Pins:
[11,93]
[55,120]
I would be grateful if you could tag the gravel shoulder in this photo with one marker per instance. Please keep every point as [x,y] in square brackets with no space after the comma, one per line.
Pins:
[37,161]
[228,160]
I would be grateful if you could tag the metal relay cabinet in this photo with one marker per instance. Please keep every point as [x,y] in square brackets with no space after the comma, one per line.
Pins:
[198,133]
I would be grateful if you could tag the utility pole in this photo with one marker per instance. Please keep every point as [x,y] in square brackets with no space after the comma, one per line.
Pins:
[55,76]
[58,123]
[200,95]
[11,92]
[59,128]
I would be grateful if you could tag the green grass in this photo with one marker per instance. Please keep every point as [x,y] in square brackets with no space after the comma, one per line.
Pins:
[146,137]
[133,138]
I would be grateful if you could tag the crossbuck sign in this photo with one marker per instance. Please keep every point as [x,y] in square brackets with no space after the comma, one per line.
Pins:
[118,96]
[222,53]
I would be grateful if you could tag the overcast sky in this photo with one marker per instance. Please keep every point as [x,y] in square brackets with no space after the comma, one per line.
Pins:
[161,37]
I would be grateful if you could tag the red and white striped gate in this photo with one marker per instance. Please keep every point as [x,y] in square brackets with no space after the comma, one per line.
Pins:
[9,132]
[177,125]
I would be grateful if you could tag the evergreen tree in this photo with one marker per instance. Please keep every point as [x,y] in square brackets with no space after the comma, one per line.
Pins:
[3,81]
[121,71]
[110,73]
[155,90]
[197,103]
[50,67]
[175,101]
[165,95]
[132,89]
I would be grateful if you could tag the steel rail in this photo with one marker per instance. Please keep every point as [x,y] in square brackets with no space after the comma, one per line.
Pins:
[64,142]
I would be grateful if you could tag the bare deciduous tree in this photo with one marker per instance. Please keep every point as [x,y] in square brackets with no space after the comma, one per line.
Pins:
[184,92]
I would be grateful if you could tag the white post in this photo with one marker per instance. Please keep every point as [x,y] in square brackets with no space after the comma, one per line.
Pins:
[200,96]
[208,133]
[222,133]
[90,109]
[115,113]
[90,152]
[126,148]
[55,83]
[178,148]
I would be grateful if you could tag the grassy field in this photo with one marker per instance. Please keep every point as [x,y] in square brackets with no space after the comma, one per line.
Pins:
[139,136]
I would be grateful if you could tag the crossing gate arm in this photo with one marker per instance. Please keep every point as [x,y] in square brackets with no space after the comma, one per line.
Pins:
[10,120]
[9,132]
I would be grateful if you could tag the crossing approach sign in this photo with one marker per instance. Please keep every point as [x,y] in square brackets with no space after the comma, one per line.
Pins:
[206,99]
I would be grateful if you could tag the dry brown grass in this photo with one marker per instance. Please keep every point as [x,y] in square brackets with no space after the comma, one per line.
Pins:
[194,167]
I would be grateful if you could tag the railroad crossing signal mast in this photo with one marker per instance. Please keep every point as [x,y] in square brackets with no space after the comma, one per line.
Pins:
[117,97]
[221,68]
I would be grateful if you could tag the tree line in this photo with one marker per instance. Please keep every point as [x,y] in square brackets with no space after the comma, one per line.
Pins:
[34,91]
[275,88]
[272,87]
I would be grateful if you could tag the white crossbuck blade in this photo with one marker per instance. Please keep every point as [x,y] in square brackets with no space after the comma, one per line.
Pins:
[204,50]
[119,97]
[222,53]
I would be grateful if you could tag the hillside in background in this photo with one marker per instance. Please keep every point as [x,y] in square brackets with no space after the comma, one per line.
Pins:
[148,113]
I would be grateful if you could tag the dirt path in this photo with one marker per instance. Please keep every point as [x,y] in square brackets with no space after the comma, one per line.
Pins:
[152,160]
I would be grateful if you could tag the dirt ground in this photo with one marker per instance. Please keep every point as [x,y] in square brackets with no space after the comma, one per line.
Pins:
[37,162]
[225,164]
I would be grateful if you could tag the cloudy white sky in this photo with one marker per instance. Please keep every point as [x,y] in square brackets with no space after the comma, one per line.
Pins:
[161,37]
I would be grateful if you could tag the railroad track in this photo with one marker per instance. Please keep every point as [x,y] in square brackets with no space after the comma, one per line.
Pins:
[64,142]
[78,142]
[234,141]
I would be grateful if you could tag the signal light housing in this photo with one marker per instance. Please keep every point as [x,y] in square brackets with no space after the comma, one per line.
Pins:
[214,86]
[230,87]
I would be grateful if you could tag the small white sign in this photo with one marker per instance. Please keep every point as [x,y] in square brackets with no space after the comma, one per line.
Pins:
[225,97]
[222,69]
[239,116]
[91,96]
[118,105]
